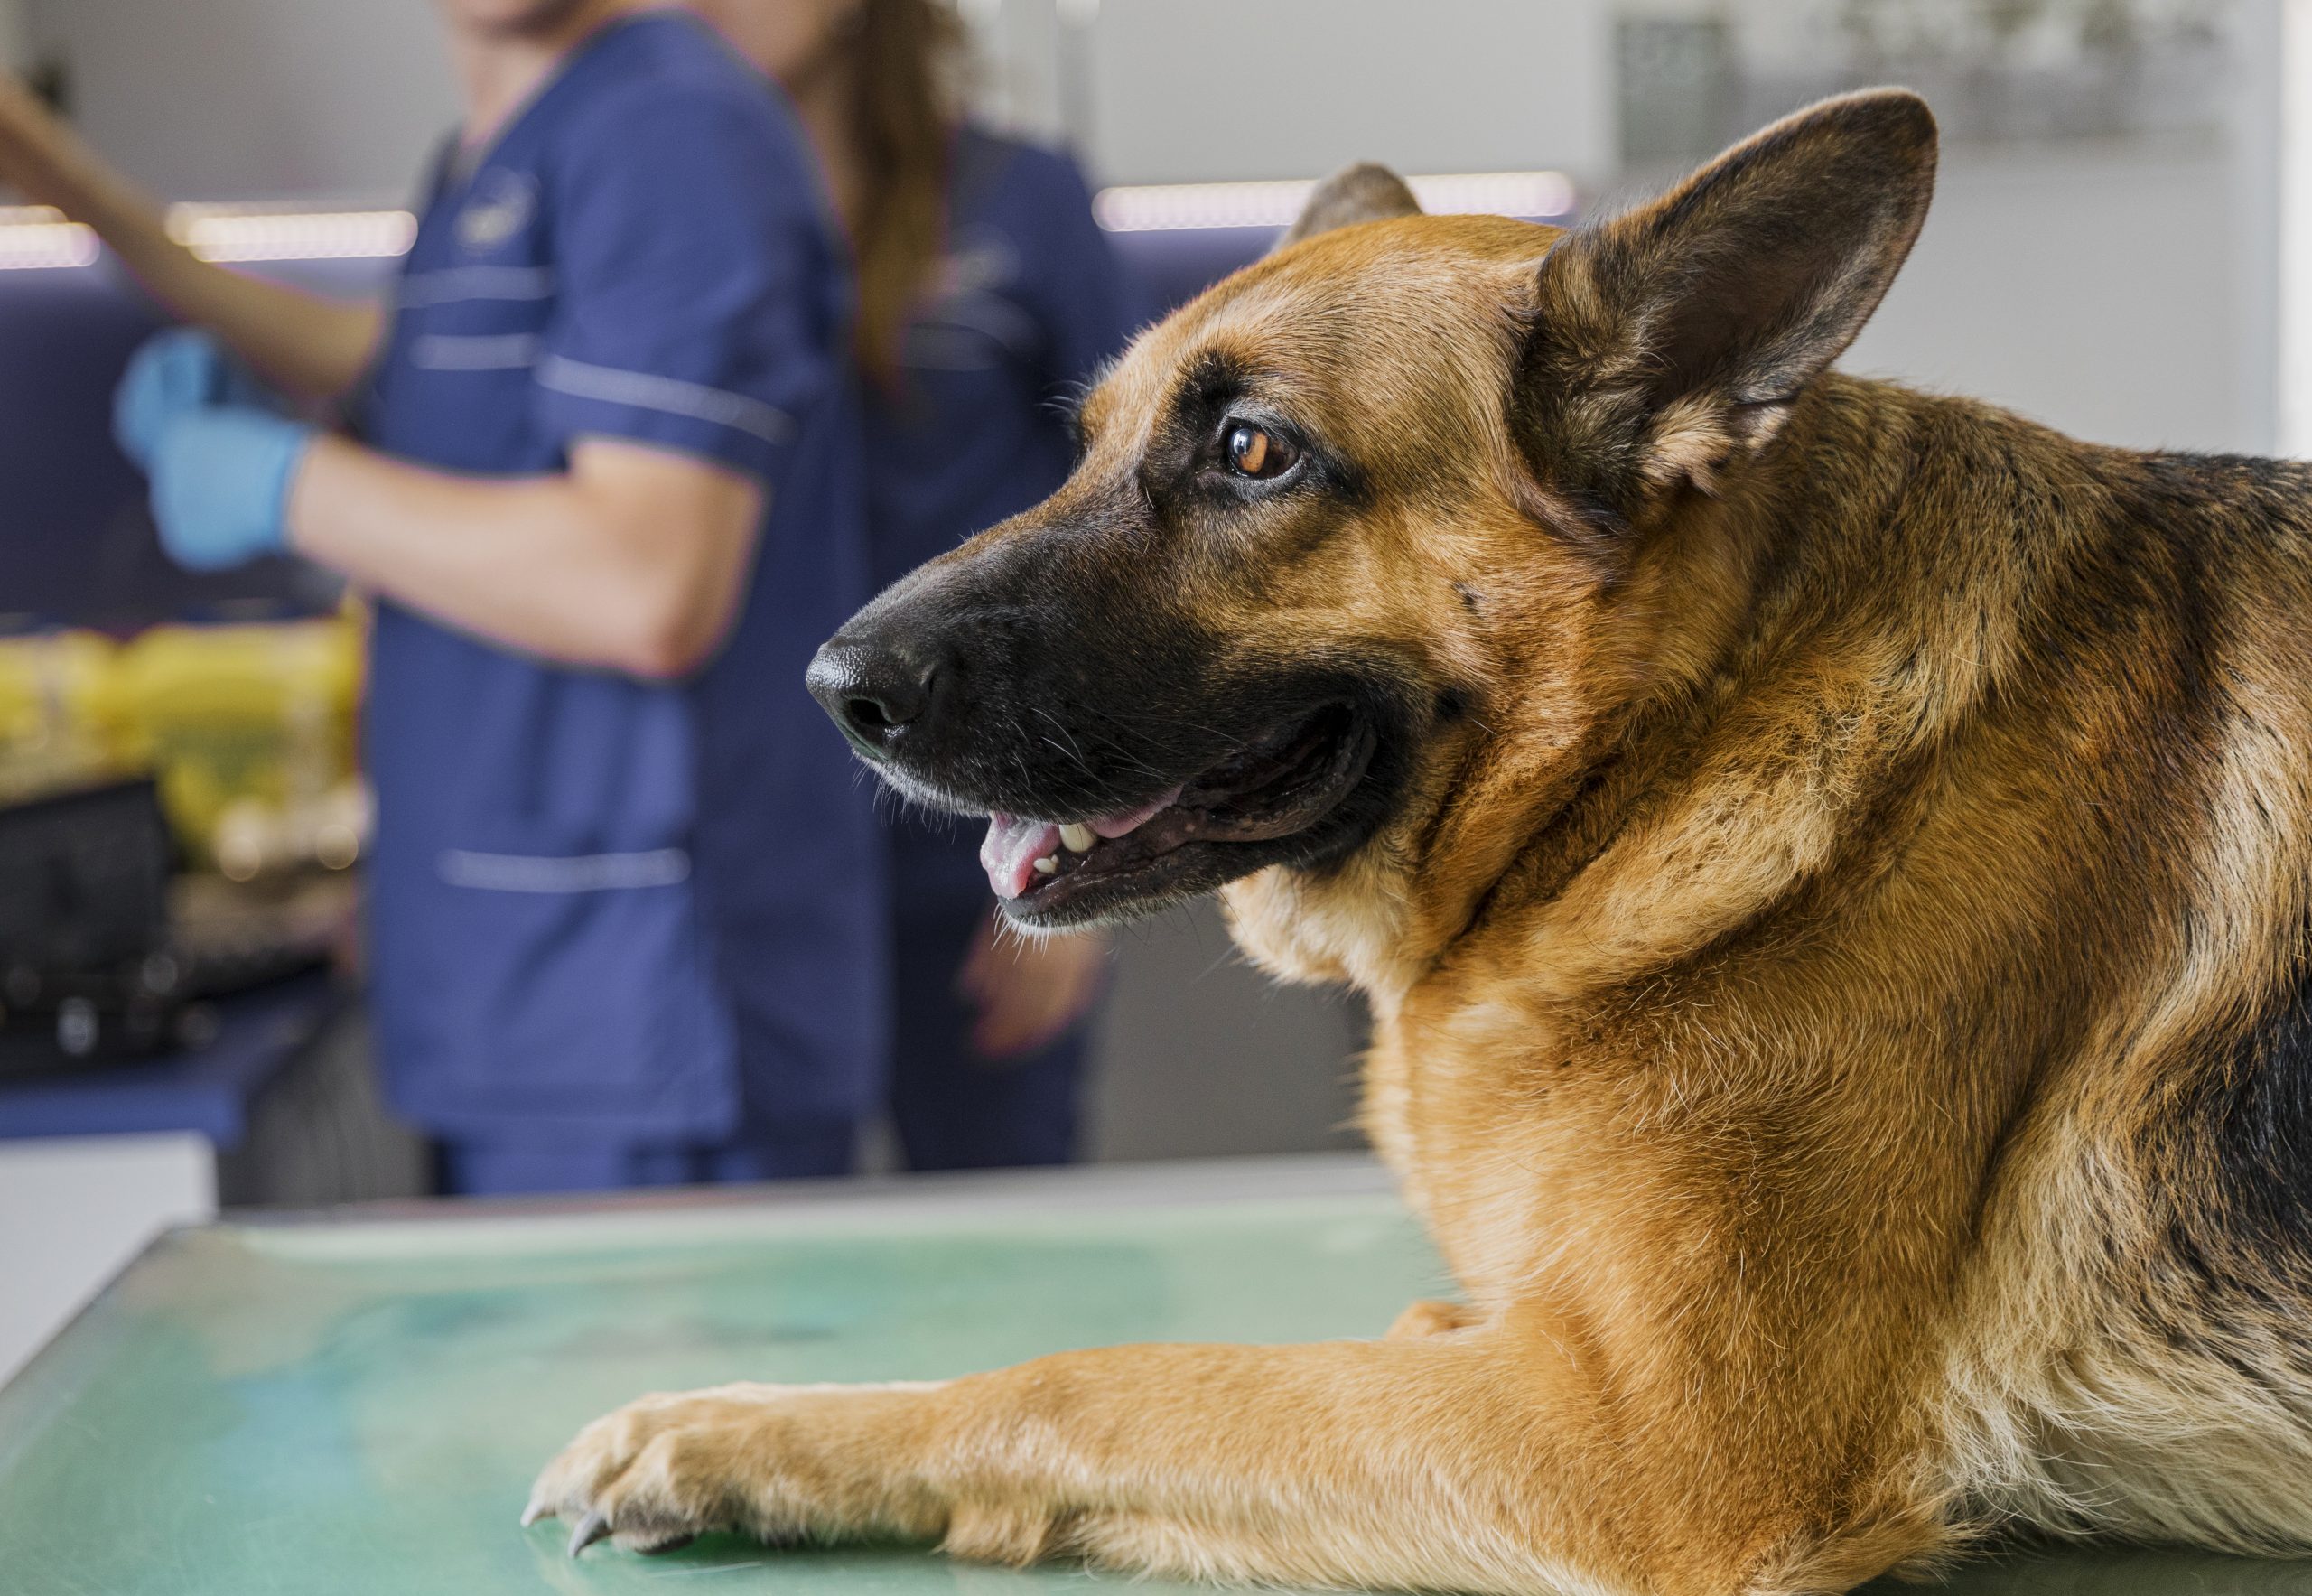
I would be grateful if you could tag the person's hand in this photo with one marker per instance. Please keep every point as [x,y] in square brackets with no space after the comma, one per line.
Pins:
[1030,989]
[221,475]
[183,368]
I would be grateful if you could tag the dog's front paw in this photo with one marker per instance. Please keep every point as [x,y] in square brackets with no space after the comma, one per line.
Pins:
[778,1462]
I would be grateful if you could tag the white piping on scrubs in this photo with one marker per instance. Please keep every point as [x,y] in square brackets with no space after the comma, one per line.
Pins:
[740,412]
[473,351]
[567,872]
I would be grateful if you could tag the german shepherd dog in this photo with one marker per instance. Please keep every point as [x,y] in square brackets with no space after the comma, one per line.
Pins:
[1829,866]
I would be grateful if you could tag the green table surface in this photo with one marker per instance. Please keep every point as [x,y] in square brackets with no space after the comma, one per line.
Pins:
[357,1405]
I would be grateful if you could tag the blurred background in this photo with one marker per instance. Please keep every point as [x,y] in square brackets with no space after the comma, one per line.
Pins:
[2120,247]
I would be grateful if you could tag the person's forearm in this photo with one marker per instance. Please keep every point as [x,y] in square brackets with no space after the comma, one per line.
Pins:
[537,564]
[311,346]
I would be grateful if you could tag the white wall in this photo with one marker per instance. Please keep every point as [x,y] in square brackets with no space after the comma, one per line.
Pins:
[212,97]
[15,37]
[255,98]
[2102,295]
[2295,228]
[75,1210]
[1185,91]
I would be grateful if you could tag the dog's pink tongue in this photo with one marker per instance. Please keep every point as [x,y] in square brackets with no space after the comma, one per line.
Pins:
[1131,820]
[1012,846]
[1011,850]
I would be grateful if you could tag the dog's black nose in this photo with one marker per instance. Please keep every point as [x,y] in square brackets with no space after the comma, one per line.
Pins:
[875,691]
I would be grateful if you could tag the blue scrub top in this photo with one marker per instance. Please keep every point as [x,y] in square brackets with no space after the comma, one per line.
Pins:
[602,908]
[1029,303]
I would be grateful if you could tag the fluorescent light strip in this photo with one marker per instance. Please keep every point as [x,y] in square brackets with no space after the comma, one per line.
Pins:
[1166,207]
[216,233]
[36,238]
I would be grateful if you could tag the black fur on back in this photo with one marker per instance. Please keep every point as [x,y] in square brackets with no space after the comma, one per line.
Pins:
[2254,1111]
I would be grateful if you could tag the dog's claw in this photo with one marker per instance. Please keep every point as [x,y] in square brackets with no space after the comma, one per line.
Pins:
[591,1528]
[533,1513]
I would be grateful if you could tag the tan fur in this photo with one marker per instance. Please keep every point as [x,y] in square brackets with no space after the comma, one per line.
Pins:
[1879,829]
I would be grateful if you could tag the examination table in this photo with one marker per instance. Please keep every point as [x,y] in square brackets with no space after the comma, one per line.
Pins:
[354,1403]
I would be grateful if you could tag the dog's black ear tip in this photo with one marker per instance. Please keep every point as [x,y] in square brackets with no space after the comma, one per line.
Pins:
[1895,118]
[1880,142]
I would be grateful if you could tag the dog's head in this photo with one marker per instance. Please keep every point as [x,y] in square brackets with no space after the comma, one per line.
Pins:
[1366,510]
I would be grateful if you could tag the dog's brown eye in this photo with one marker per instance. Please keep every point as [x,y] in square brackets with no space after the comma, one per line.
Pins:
[1256,452]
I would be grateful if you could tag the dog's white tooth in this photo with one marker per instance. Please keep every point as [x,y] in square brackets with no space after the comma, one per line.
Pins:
[1079,838]
[1047,865]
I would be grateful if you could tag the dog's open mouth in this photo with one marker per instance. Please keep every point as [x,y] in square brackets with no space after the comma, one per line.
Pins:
[1270,790]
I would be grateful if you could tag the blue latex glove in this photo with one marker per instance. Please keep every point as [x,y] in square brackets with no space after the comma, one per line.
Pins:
[220,483]
[171,373]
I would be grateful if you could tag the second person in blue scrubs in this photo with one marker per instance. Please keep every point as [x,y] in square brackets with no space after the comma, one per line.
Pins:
[603,479]
[987,294]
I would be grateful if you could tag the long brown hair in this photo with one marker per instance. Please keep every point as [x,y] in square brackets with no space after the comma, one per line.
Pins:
[907,58]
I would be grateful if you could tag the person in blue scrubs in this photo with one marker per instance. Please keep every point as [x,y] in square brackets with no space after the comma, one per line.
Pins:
[602,476]
[988,296]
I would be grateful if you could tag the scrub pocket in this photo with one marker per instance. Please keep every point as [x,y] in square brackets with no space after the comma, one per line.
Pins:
[569,984]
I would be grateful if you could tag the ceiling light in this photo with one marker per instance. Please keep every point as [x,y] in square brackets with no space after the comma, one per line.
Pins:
[36,237]
[1163,207]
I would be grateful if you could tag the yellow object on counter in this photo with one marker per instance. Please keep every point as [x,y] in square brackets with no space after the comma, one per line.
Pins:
[62,721]
[250,729]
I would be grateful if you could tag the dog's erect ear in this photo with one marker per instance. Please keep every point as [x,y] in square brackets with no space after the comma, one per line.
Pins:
[1363,193]
[1668,340]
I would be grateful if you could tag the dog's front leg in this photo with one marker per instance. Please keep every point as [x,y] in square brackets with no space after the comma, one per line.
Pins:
[1426,1464]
